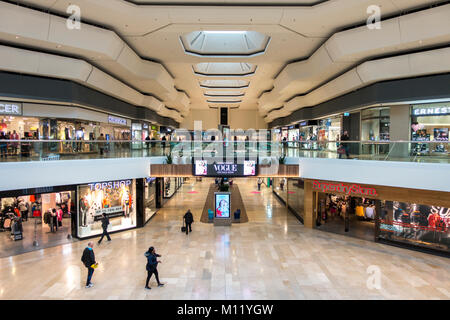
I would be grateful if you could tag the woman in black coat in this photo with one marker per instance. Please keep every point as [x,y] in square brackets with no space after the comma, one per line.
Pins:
[151,267]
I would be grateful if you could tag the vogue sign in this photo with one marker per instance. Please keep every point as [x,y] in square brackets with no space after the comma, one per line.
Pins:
[343,188]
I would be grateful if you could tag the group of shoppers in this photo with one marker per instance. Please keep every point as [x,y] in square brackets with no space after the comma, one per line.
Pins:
[11,148]
[88,257]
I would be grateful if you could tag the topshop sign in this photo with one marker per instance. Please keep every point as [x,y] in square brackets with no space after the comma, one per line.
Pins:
[109,185]
[9,108]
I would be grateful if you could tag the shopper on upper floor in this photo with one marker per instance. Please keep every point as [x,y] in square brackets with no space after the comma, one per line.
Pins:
[101,144]
[345,146]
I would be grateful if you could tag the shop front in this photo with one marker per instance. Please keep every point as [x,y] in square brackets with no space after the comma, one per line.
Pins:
[410,217]
[293,136]
[430,123]
[308,135]
[375,126]
[291,192]
[36,217]
[116,199]
[171,186]
[150,198]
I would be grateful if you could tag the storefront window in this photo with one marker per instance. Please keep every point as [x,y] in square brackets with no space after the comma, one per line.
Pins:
[420,225]
[375,123]
[149,198]
[430,123]
[115,198]
[280,188]
[296,196]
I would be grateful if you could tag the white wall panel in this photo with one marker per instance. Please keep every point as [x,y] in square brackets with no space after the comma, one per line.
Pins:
[23,175]
[23,22]
[426,176]
[92,42]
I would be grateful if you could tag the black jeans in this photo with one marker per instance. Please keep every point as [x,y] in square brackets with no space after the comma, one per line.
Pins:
[188,227]
[149,275]
[89,276]
[105,233]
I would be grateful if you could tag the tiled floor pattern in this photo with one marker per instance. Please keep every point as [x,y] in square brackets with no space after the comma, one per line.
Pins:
[271,257]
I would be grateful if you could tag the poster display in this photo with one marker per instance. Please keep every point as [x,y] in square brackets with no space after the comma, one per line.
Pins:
[222,204]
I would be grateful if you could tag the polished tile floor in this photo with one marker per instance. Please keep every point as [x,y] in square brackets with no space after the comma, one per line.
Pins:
[271,257]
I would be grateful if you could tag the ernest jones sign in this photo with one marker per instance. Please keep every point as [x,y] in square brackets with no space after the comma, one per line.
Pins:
[344,188]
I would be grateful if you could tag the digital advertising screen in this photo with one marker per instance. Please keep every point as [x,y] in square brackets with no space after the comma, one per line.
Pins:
[249,168]
[222,205]
[225,169]
[201,168]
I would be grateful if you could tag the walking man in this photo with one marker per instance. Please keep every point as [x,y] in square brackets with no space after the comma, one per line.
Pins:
[152,264]
[105,223]
[188,219]
[88,260]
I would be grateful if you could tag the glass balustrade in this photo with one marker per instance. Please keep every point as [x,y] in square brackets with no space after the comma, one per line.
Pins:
[49,150]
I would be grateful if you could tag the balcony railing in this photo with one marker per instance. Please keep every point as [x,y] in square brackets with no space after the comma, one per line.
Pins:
[47,150]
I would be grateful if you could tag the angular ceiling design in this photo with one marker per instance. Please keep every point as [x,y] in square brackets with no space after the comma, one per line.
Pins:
[279,55]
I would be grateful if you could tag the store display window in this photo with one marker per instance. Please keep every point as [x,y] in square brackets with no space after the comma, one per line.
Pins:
[296,196]
[416,224]
[430,123]
[36,216]
[117,199]
[149,198]
[279,187]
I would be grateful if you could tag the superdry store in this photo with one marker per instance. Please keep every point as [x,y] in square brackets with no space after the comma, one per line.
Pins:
[410,217]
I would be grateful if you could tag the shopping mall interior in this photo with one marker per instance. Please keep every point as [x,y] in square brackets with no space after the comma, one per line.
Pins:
[309,139]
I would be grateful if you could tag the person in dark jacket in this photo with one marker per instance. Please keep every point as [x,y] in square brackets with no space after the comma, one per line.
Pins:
[105,223]
[188,219]
[345,146]
[88,260]
[152,264]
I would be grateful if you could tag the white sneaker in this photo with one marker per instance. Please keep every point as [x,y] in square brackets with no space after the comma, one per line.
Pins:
[91,285]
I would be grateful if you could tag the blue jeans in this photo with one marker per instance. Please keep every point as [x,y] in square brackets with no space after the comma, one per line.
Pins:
[89,277]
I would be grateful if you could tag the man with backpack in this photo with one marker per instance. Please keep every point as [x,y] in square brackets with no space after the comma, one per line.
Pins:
[88,259]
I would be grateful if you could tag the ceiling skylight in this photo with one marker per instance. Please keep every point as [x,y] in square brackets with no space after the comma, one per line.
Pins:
[226,84]
[224,68]
[225,43]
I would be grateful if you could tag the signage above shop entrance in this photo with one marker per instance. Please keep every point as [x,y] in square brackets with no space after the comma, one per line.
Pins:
[117,120]
[10,108]
[349,189]
[431,111]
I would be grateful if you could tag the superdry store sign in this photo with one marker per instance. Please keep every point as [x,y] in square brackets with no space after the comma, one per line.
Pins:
[349,189]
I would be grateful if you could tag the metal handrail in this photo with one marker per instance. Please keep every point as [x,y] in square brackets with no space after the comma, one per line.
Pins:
[224,141]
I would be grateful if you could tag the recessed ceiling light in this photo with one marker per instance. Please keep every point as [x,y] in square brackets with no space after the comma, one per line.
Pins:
[17,37]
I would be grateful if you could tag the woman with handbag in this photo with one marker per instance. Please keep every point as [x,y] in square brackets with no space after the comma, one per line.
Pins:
[151,267]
